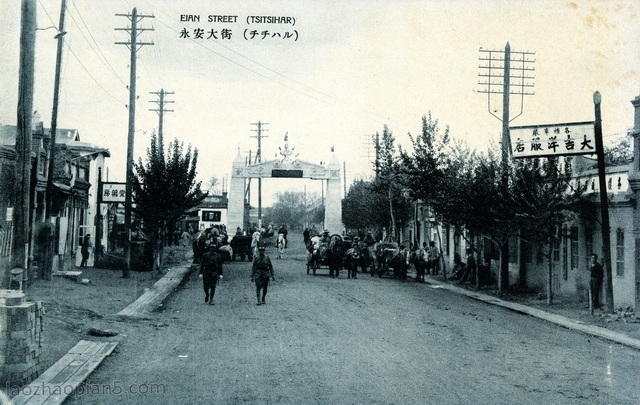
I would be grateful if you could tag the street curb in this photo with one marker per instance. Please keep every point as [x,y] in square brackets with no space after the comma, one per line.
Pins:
[554,318]
[153,298]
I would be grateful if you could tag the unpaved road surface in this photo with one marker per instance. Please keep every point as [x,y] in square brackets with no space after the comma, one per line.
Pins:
[338,341]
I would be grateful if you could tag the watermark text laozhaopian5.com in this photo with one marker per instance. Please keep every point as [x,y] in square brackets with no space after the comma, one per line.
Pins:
[86,388]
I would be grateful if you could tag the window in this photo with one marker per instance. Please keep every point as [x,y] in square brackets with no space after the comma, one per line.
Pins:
[513,250]
[565,253]
[556,248]
[447,235]
[620,252]
[211,216]
[588,237]
[573,235]
[527,253]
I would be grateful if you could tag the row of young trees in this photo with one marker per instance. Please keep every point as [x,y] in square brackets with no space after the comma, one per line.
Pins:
[467,190]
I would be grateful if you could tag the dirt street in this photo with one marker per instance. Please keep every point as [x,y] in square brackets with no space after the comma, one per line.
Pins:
[338,341]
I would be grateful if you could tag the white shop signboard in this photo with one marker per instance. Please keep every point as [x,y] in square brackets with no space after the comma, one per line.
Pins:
[113,192]
[577,138]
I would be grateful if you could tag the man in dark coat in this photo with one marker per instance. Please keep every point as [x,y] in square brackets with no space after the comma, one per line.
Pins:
[86,244]
[470,269]
[597,275]
[260,273]
[211,271]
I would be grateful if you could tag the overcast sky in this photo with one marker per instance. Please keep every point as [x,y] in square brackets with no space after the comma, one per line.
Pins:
[349,68]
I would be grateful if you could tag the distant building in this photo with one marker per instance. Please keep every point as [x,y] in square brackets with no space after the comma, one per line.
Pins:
[210,212]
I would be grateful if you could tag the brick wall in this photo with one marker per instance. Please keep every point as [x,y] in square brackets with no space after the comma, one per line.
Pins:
[20,338]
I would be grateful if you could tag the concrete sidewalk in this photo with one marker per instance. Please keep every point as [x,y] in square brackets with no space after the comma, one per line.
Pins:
[547,316]
[153,298]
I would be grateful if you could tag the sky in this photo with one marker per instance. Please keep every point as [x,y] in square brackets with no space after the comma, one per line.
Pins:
[333,77]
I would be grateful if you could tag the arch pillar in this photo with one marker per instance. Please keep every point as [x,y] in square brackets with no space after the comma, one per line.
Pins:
[235,207]
[333,201]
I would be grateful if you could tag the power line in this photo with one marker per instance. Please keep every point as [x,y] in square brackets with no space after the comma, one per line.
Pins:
[89,73]
[288,86]
[99,52]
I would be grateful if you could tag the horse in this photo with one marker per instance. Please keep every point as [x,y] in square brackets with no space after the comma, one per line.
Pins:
[400,263]
[357,255]
[280,246]
[313,246]
[392,256]
[419,259]
[335,256]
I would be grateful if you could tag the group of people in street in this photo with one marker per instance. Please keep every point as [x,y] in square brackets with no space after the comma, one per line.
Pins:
[427,261]
[211,272]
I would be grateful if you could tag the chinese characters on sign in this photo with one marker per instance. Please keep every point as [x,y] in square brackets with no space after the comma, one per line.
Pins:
[577,138]
[252,30]
[113,192]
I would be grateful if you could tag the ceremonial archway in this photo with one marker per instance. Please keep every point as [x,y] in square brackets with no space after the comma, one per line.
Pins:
[286,168]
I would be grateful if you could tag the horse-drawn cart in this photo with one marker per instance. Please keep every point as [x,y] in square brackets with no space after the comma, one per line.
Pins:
[392,258]
[328,255]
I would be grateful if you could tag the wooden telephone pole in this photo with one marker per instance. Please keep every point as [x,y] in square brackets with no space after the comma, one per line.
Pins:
[23,135]
[507,73]
[161,110]
[259,136]
[133,46]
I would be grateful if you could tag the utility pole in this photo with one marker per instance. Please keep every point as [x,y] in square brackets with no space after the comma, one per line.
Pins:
[23,135]
[344,177]
[604,207]
[259,136]
[54,112]
[377,146]
[48,229]
[133,46]
[495,76]
[161,110]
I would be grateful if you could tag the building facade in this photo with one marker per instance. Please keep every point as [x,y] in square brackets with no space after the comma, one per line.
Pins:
[74,208]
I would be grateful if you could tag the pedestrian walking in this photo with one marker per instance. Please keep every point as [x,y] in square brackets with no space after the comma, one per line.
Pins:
[211,272]
[186,238]
[595,285]
[370,241]
[421,262]
[470,268]
[255,242]
[433,256]
[84,250]
[261,272]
